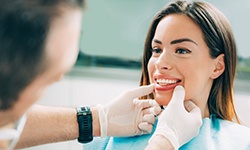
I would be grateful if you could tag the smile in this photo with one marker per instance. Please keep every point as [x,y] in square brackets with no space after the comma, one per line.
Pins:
[164,82]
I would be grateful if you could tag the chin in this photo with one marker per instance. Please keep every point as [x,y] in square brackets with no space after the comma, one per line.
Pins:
[162,100]
[163,97]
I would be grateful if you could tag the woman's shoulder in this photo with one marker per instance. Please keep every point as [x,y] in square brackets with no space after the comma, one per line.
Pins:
[229,126]
[216,133]
[221,126]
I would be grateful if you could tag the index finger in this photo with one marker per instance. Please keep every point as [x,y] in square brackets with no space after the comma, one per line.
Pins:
[140,91]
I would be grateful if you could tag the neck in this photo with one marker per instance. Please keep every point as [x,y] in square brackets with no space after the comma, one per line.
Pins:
[206,113]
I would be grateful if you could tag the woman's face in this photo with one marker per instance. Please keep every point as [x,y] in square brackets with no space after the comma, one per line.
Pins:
[180,56]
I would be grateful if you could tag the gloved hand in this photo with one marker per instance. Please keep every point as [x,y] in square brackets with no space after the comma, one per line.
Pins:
[177,124]
[127,116]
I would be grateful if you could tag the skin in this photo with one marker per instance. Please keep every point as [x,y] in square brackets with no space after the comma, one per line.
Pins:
[159,142]
[180,54]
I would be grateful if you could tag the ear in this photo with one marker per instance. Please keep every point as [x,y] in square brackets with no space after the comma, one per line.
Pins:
[219,66]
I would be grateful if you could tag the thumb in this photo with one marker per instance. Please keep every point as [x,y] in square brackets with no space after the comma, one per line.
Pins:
[141,91]
[178,94]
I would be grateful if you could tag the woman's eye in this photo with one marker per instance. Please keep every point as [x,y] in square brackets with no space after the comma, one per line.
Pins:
[156,51]
[182,51]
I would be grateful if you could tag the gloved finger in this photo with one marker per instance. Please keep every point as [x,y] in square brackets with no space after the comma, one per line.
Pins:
[145,103]
[192,108]
[145,127]
[149,118]
[140,91]
[156,110]
[194,111]
[189,105]
[178,94]
[141,132]
[197,117]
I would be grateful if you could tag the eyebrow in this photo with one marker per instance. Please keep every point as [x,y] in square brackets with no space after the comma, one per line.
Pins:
[182,40]
[177,41]
[157,41]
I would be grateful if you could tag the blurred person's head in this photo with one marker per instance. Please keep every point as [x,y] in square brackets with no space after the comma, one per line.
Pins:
[192,44]
[38,44]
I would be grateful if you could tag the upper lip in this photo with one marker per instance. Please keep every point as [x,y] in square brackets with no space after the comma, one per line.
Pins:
[165,79]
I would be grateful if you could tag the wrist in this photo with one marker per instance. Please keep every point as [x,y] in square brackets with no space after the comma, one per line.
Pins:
[167,134]
[103,120]
[96,122]
[159,142]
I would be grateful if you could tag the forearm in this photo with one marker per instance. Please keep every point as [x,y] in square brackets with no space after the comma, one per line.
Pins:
[52,124]
[159,142]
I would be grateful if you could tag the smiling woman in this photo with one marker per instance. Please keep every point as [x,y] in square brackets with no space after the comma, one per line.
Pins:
[182,56]
[192,44]
[207,59]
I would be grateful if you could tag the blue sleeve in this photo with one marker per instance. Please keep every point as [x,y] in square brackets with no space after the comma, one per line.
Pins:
[220,134]
[214,134]
[129,143]
[97,144]
[118,143]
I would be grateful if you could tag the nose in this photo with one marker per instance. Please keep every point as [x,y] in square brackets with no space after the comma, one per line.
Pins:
[164,61]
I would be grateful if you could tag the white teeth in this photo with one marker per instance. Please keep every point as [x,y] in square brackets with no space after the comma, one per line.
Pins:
[165,81]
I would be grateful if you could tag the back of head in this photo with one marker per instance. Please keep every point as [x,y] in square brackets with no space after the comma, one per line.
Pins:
[219,38]
[24,25]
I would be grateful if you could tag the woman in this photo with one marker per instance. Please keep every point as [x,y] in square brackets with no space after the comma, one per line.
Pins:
[202,55]
[192,44]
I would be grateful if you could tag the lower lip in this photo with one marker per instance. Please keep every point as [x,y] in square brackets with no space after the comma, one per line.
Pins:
[165,87]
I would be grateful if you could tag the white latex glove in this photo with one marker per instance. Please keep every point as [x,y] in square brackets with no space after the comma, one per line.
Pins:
[127,116]
[177,123]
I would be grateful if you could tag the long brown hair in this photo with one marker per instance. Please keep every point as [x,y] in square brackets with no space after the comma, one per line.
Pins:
[219,37]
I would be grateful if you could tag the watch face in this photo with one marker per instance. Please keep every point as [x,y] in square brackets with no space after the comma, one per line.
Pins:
[83,110]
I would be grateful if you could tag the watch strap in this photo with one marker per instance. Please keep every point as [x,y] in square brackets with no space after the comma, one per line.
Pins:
[84,119]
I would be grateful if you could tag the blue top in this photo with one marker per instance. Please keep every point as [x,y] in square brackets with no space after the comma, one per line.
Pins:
[215,134]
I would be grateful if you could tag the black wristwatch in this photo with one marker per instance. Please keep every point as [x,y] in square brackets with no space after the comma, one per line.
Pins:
[84,119]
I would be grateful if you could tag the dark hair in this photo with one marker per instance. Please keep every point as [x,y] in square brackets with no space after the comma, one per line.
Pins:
[219,38]
[24,25]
